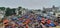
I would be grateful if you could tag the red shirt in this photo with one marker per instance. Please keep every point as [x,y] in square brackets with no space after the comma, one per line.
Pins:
[48,21]
[26,26]
[5,22]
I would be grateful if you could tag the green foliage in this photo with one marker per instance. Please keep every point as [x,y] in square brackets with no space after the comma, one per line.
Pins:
[2,8]
[43,11]
[39,10]
[19,8]
[9,11]
[19,12]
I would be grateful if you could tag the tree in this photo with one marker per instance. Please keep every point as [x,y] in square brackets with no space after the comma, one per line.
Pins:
[19,12]
[13,10]
[7,12]
[2,8]
[43,11]
[38,10]
[19,8]
[10,11]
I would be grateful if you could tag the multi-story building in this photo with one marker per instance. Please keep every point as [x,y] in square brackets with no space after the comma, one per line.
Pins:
[2,13]
[22,10]
[53,9]
[37,11]
[57,13]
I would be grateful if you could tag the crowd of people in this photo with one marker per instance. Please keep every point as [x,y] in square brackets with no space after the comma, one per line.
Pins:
[29,21]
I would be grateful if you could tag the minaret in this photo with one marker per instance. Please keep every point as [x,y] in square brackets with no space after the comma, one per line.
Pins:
[53,6]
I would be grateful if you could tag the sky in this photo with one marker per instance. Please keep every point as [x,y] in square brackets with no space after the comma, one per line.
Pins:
[30,4]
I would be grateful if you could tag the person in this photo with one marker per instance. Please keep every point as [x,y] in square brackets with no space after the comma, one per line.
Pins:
[48,21]
[27,21]
[42,26]
[43,21]
[55,22]
[21,26]
[36,25]
[6,22]
[12,23]
[58,20]
[13,17]
[39,18]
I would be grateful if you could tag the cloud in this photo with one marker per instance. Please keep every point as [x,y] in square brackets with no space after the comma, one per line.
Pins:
[29,3]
